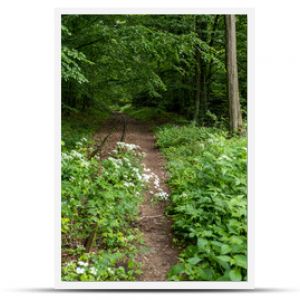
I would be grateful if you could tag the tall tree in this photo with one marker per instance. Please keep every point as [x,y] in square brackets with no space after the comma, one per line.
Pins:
[232,75]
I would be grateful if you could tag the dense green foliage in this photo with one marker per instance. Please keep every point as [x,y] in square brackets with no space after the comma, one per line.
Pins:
[154,115]
[151,61]
[209,203]
[105,201]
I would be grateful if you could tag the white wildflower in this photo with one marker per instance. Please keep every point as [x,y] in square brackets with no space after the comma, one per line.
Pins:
[80,270]
[136,171]
[128,184]
[146,177]
[129,147]
[76,154]
[163,195]
[82,263]
[116,161]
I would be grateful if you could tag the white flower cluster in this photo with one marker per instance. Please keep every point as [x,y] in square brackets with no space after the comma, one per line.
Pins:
[149,176]
[81,142]
[75,155]
[162,195]
[129,147]
[80,270]
[117,162]
[137,174]
[125,162]
[128,184]
[83,267]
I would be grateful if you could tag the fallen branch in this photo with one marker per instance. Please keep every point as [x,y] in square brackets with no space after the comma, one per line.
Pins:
[99,147]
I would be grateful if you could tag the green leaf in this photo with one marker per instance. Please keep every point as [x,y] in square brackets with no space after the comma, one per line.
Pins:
[205,273]
[194,260]
[225,249]
[240,260]
[223,260]
[131,264]
[177,269]
[202,243]
[235,275]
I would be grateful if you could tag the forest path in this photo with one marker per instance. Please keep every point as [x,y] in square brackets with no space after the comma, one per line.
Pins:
[158,253]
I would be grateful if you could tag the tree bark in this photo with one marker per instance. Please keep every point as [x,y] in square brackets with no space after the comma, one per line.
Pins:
[232,75]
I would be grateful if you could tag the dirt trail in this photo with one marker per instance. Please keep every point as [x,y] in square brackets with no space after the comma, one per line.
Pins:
[158,254]
[156,227]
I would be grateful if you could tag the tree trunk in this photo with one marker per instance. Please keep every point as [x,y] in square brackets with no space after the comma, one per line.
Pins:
[232,75]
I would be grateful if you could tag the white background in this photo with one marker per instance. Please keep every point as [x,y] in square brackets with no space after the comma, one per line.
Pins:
[27,147]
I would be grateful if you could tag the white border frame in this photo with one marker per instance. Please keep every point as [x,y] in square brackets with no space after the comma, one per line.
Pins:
[138,285]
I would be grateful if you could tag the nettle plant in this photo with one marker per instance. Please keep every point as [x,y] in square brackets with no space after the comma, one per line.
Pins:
[102,201]
[208,202]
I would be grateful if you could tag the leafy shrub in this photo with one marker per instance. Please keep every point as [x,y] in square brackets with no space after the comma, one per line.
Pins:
[104,201]
[102,266]
[208,202]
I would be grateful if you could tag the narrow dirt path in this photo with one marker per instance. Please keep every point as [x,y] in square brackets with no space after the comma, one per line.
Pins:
[114,127]
[160,253]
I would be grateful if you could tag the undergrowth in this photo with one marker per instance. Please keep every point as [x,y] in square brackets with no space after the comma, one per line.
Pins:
[103,202]
[78,125]
[153,114]
[208,202]
[98,199]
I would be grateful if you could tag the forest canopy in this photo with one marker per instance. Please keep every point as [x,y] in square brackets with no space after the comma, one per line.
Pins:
[173,62]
